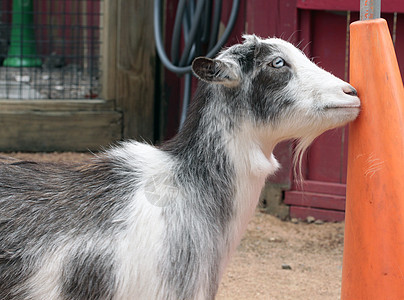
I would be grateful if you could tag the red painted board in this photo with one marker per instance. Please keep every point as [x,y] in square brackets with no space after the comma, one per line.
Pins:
[325,157]
[272,18]
[329,36]
[287,25]
[305,32]
[322,187]
[261,18]
[320,214]
[315,200]
[283,153]
[353,5]
[345,154]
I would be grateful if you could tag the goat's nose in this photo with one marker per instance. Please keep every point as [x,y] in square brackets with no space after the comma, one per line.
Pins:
[350,90]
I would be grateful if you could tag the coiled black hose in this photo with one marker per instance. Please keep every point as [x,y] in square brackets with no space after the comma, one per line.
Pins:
[200,32]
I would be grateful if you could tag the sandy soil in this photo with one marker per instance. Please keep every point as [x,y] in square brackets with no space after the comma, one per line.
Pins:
[276,260]
[260,268]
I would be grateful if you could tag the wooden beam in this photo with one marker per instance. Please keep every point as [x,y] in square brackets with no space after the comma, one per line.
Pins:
[302,213]
[315,200]
[56,105]
[58,125]
[136,68]
[58,130]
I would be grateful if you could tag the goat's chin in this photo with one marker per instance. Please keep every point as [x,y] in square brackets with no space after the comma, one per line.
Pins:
[330,118]
[339,116]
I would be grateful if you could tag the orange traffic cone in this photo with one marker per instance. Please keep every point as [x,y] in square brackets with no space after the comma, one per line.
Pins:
[373,263]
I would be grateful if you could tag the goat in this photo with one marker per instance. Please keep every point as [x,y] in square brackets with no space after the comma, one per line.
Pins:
[145,222]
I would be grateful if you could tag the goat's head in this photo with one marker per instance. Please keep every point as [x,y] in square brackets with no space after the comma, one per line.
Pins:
[277,85]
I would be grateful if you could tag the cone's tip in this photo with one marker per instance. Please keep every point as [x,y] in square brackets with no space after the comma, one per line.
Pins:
[369,22]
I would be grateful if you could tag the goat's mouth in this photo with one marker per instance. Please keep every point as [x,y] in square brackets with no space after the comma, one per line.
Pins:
[348,106]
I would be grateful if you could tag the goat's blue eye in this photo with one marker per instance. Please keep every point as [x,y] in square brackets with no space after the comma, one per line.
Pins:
[278,63]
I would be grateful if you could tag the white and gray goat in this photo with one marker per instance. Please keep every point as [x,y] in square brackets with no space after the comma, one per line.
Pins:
[144,222]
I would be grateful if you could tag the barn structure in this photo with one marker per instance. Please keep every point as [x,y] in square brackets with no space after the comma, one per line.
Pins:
[105,53]
[321,28]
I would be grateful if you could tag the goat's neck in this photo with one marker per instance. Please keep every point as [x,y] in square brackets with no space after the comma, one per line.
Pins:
[251,153]
[225,148]
[225,162]
[249,150]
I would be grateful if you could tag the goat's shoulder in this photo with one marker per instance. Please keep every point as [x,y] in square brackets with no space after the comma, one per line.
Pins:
[140,156]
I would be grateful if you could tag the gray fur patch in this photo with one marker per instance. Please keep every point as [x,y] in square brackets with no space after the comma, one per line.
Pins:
[269,101]
[196,226]
[89,275]
[43,204]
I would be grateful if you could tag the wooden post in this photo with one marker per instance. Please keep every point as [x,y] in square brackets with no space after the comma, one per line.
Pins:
[136,68]
[128,64]
[109,23]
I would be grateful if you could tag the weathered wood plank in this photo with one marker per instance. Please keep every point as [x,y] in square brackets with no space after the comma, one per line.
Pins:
[321,187]
[58,131]
[136,68]
[109,23]
[320,214]
[315,200]
[56,105]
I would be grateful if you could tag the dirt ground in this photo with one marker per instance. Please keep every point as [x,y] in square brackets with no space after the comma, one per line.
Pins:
[276,260]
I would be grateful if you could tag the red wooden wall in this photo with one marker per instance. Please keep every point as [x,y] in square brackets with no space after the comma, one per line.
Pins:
[321,28]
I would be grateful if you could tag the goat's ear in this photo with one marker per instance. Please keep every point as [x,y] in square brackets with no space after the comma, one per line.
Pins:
[216,71]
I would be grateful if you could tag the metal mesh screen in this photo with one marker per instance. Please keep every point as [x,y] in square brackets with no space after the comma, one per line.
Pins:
[49,49]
